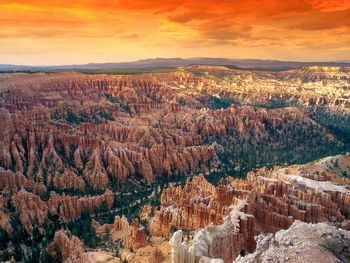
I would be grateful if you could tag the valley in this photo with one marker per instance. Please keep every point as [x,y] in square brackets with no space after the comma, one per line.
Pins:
[171,166]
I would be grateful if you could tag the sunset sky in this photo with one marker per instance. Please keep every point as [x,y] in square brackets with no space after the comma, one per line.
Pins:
[54,32]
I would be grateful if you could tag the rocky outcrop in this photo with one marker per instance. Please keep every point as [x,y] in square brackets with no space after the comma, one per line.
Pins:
[66,138]
[115,127]
[223,242]
[195,206]
[179,248]
[307,85]
[71,207]
[70,247]
[302,242]
[94,172]
[267,201]
[31,209]
[146,212]
[133,235]
[5,223]
[11,182]
[66,180]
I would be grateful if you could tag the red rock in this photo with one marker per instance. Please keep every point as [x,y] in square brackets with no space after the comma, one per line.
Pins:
[66,180]
[273,201]
[70,207]
[134,235]
[5,223]
[71,248]
[31,209]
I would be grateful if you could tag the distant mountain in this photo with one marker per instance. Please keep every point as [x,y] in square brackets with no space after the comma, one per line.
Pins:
[15,67]
[177,62]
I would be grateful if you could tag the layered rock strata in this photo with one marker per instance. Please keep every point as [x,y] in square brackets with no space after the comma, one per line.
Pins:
[225,219]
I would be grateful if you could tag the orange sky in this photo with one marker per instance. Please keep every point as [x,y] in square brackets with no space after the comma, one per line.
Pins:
[64,32]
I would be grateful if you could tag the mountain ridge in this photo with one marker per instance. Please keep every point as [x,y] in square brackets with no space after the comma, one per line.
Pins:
[178,62]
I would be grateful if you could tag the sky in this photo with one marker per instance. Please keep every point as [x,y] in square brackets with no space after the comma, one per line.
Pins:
[57,32]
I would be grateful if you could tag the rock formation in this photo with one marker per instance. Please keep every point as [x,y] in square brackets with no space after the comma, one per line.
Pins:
[31,209]
[116,127]
[133,235]
[11,182]
[70,247]
[232,214]
[70,207]
[216,242]
[302,242]
[197,205]
[4,218]
[66,180]
[68,141]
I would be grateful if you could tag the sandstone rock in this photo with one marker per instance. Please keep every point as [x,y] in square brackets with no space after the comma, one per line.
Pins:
[73,131]
[71,248]
[217,242]
[133,235]
[66,180]
[146,212]
[95,173]
[5,223]
[11,182]
[197,205]
[31,209]
[154,136]
[70,207]
[268,200]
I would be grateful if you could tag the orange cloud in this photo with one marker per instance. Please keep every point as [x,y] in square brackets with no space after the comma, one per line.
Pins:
[64,32]
[324,20]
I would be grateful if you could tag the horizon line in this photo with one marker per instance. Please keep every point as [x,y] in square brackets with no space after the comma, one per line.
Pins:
[182,58]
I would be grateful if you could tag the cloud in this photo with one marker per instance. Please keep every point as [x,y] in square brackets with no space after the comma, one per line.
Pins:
[127,35]
[324,21]
[188,16]
[178,27]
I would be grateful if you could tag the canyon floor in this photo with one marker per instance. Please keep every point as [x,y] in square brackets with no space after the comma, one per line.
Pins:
[194,164]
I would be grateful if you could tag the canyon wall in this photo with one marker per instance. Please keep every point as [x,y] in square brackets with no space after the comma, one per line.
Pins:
[225,219]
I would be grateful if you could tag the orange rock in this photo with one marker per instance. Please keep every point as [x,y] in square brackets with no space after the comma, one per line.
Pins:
[71,248]
[133,235]
[71,207]
[31,209]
